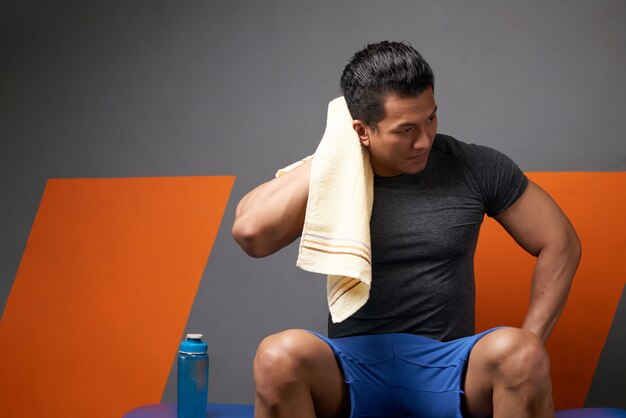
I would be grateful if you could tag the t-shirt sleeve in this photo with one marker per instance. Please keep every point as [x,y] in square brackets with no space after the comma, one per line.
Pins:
[498,180]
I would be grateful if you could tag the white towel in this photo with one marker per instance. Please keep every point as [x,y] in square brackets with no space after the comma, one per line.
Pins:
[336,235]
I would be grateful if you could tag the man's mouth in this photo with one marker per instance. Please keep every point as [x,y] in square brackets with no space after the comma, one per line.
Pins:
[419,157]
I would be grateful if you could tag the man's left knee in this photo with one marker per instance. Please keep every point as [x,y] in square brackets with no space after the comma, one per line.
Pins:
[519,358]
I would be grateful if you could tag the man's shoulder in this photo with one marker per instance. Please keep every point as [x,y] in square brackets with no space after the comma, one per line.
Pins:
[452,150]
[468,152]
[450,143]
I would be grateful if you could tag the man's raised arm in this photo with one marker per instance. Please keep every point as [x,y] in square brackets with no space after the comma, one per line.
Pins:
[271,216]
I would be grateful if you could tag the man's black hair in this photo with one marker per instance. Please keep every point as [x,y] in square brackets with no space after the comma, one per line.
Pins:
[380,69]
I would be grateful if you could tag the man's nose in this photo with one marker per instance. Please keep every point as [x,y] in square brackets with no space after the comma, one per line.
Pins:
[421,139]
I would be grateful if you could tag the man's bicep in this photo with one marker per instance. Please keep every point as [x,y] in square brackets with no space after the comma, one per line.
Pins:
[535,220]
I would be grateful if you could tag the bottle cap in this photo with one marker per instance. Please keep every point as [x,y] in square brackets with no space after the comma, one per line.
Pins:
[193,345]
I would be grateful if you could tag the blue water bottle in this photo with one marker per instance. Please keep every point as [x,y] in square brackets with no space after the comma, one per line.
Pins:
[193,377]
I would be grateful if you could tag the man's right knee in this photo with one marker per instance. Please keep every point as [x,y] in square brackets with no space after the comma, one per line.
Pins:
[280,365]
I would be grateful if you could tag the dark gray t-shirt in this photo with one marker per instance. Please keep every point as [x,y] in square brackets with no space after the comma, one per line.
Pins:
[424,229]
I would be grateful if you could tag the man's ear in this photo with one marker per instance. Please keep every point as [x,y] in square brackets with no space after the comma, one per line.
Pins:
[362,132]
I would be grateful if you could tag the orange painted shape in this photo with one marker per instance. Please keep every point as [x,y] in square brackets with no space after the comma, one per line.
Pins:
[103,293]
[595,203]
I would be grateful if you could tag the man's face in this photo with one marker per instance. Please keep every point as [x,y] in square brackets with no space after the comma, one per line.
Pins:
[403,138]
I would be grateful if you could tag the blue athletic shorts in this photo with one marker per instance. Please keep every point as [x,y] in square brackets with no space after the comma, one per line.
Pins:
[403,375]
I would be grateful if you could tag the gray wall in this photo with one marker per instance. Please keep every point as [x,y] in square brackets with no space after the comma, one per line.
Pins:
[609,383]
[156,88]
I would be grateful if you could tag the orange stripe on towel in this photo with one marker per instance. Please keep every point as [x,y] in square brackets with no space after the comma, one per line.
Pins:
[339,294]
[336,252]
[325,244]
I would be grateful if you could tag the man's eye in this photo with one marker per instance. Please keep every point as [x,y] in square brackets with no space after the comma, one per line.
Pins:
[406,130]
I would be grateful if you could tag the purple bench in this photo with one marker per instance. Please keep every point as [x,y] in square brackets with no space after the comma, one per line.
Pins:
[217,410]
[592,413]
[213,410]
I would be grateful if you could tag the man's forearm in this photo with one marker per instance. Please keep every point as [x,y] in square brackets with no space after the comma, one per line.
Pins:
[539,226]
[272,215]
[553,274]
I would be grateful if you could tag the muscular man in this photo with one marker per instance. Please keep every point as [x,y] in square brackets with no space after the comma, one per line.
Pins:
[411,350]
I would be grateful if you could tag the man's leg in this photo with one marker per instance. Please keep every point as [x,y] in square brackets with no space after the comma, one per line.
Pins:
[296,375]
[508,375]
